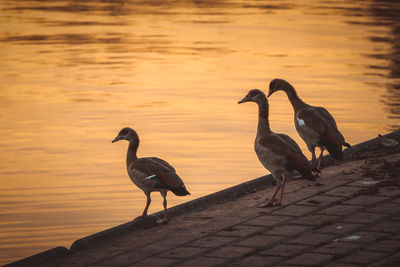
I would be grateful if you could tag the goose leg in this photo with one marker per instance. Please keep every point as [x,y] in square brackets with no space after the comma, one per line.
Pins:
[320,158]
[313,158]
[144,214]
[272,202]
[282,188]
[165,219]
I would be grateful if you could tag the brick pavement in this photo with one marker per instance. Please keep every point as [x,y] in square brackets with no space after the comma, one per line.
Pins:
[348,217]
[334,222]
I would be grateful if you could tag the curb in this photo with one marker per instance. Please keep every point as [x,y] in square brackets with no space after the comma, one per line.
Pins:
[41,258]
[225,195]
[229,194]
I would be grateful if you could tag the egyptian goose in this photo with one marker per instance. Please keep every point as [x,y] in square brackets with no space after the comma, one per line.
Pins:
[315,125]
[277,152]
[150,174]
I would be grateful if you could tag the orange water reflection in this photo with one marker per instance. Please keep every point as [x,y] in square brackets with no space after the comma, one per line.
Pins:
[73,74]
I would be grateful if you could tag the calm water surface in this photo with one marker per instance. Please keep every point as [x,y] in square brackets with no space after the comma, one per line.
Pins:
[73,73]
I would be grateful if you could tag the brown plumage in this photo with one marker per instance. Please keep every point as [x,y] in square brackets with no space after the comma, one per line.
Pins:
[150,174]
[315,125]
[277,152]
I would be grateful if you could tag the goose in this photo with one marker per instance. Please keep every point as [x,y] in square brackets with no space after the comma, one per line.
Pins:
[277,152]
[315,125]
[151,173]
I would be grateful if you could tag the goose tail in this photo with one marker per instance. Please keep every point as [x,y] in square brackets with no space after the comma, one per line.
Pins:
[180,190]
[335,151]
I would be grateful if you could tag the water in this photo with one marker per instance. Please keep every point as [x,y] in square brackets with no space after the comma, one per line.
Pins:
[74,73]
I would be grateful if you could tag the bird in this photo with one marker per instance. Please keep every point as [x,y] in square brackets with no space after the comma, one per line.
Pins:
[277,152]
[151,173]
[315,125]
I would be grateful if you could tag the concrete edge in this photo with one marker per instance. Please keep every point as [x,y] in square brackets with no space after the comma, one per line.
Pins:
[41,258]
[225,195]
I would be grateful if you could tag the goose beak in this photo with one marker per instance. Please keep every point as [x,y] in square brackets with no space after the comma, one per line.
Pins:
[116,139]
[245,99]
[270,93]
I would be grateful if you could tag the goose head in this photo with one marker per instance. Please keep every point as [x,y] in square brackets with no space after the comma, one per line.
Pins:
[254,95]
[127,134]
[278,84]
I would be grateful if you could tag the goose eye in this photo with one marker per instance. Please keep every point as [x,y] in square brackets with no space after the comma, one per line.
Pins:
[124,132]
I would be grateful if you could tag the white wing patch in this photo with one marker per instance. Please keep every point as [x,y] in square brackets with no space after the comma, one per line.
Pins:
[149,177]
[300,121]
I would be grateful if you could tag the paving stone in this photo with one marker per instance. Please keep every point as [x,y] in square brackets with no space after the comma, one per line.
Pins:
[302,193]
[396,237]
[337,180]
[155,248]
[387,207]
[364,217]
[257,260]
[211,241]
[389,191]
[340,210]
[183,252]
[202,262]
[124,258]
[322,200]
[312,239]
[259,241]
[159,262]
[365,200]
[295,210]
[395,217]
[231,252]
[178,238]
[391,261]
[288,230]
[310,259]
[268,220]
[339,228]
[316,220]
[337,248]
[285,250]
[364,237]
[362,257]
[239,231]
[385,246]
[386,226]
[396,200]
[338,264]
[225,222]
[343,191]
[364,182]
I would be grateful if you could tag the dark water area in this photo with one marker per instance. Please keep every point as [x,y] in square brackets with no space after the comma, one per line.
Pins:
[387,13]
[75,72]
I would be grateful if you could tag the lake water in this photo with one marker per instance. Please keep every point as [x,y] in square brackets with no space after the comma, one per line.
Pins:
[73,73]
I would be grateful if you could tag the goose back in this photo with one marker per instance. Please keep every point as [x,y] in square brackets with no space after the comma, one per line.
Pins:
[317,127]
[280,153]
[154,174]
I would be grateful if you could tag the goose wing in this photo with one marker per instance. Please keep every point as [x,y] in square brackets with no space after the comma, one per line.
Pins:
[279,144]
[320,124]
[326,115]
[159,171]
[292,144]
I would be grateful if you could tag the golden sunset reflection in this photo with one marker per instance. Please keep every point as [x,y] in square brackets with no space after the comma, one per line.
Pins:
[74,73]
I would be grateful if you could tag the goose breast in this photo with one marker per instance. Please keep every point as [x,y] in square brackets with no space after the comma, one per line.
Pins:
[269,159]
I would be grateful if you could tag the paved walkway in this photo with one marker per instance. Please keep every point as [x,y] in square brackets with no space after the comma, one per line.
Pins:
[349,217]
